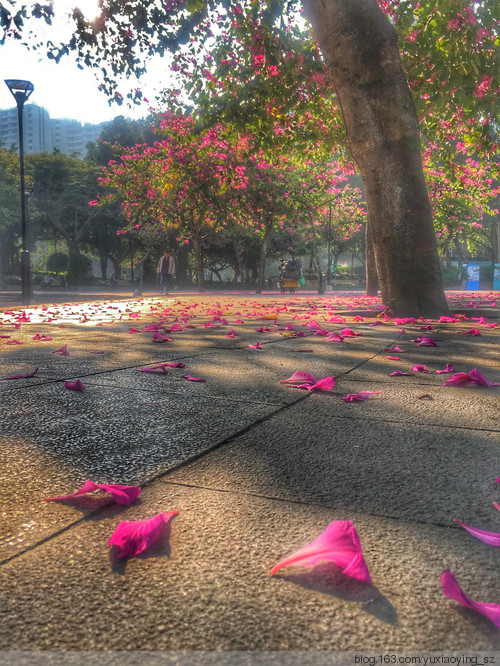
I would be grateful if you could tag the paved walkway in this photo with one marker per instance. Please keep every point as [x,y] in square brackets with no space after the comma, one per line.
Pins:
[256,469]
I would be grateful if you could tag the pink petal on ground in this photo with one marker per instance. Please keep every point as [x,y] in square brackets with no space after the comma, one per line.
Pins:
[419,368]
[452,590]
[349,333]
[231,334]
[30,374]
[443,319]
[460,379]
[176,327]
[262,330]
[340,544]
[426,342]
[426,328]
[491,538]
[190,378]
[133,537]
[175,365]
[479,379]
[158,337]
[471,331]
[300,376]
[358,397]
[325,384]
[396,349]
[124,495]
[449,368]
[405,320]
[62,350]
[150,328]
[496,505]
[256,346]
[398,373]
[74,386]
[334,337]
[133,330]
[393,358]
[155,369]
[14,342]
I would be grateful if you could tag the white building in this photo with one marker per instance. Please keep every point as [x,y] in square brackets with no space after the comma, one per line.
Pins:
[44,134]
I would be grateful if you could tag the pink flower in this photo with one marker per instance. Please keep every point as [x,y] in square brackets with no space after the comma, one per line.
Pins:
[349,333]
[309,382]
[155,369]
[464,379]
[452,590]
[340,544]
[425,342]
[448,369]
[133,537]
[74,386]
[30,374]
[358,397]
[62,350]
[491,538]
[124,495]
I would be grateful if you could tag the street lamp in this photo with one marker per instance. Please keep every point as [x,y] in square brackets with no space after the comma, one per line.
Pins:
[21,91]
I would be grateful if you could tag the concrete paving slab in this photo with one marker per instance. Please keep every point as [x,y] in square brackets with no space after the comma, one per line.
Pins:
[206,584]
[398,469]
[28,474]
[106,435]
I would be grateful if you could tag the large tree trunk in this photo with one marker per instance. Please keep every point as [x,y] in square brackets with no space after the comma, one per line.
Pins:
[371,267]
[361,49]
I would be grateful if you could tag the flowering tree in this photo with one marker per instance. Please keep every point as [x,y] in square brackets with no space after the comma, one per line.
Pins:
[447,47]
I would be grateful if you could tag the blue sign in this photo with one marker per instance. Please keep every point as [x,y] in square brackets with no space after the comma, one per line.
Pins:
[472,278]
[496,277]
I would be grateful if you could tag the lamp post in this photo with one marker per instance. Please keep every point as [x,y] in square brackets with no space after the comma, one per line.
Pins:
[21,91]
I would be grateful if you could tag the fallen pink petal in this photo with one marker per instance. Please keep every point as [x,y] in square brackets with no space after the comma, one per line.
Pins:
[425,342]
[74,386]
[398,373]
[62,350]
[491,538]
[325,384]
[133,537]
[396,349]
[449,368]
[175,365]
[465,379]
[300,376]
[349,333]
[479,379]
[358,397]
[29,374]
[190,378]
[419,368]
[256,346]
[123,495]
[393,358]
[155,369]
[452,590]
[14,342]
[471,331]
[340,544]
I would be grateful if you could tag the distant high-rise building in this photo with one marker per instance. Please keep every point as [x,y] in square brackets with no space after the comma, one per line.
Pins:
[44,134]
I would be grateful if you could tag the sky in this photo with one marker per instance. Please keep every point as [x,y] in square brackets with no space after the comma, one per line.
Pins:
[63,89]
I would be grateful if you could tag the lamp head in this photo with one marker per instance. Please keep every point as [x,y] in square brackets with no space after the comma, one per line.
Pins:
[20,89]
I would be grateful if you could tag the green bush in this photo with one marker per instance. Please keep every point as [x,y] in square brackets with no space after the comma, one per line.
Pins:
[58,262]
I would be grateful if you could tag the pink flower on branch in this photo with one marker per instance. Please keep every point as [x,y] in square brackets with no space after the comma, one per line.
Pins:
[340,544]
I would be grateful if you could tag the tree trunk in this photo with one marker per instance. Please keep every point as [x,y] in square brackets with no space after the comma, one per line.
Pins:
[361,49]
[261,279]
[371,268]
[200,282]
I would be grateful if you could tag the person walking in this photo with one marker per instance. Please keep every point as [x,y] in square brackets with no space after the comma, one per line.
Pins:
[166,271]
